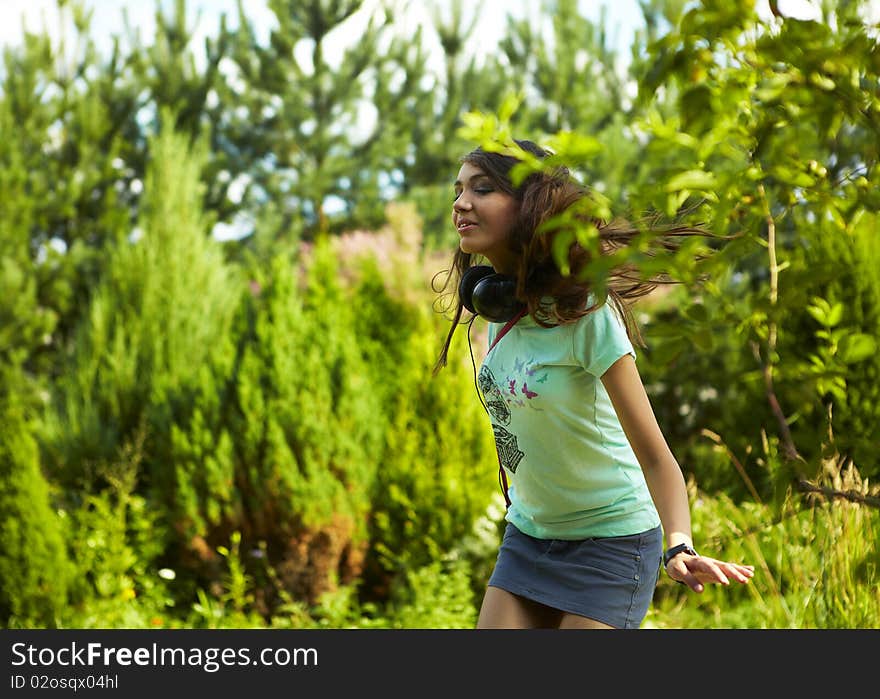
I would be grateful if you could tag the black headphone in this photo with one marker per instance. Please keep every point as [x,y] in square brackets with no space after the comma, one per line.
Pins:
[488,294]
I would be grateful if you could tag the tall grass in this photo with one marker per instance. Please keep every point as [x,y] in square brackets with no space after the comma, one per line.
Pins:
[816,561]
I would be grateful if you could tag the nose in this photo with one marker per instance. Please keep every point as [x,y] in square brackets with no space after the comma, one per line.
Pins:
[462,203]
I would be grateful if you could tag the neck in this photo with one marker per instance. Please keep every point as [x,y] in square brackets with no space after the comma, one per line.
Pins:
[504,264]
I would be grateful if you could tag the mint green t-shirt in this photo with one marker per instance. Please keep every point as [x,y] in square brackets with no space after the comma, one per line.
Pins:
[571,469]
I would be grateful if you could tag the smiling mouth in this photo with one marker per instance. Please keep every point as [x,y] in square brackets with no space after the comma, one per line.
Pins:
[464,225]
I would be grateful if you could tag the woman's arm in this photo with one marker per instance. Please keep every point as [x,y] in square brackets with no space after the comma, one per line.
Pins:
[663,477]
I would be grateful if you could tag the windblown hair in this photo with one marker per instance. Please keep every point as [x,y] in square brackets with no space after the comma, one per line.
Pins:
[543,196]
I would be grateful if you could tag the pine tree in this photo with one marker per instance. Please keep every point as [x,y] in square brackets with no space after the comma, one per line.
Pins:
[298,118]
[176,77]
[72,164]
[573,80]
[33,583]
[159,316]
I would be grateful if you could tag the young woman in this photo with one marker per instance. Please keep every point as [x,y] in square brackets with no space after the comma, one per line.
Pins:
[593,486]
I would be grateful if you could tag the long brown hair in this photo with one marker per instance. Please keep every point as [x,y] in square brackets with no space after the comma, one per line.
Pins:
[555,197]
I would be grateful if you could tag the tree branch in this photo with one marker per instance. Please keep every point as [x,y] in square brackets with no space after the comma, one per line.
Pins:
[804,486]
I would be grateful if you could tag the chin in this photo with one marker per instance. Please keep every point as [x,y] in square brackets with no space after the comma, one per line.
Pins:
[472,247]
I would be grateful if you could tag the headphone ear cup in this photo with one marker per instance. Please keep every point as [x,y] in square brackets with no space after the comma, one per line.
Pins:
[494,298]
[469,280]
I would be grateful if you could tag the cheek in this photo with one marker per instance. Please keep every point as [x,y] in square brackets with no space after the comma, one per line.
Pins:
[510,218]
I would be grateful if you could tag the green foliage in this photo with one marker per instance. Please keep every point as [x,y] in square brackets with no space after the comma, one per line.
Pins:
[768,131]
[234,607]
[305,423]
[437,460]
[161,312]
[574,90]
[116,539]
[842,366]
[297,113]
[438,596]
[34,583]
[816,562]
[294,464]
[68,178]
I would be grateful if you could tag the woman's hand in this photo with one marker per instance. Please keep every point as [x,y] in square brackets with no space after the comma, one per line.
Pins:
[696,571]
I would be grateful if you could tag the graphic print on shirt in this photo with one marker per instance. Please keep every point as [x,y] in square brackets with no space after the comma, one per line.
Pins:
[505,442]
[519,387]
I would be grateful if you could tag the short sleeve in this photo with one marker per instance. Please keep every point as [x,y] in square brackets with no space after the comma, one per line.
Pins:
[600,339]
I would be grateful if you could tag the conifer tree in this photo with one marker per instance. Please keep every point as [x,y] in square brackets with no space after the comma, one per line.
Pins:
[33,558]
[32,553]
[438,457]
[574,80]
[155,322]
[33,583]
[306,421]
[302,117]
[73,156]
[175,75]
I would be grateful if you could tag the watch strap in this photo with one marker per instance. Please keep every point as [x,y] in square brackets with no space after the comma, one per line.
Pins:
[673,551]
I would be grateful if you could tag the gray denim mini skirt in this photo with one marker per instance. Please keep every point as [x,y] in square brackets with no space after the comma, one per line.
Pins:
[609,579]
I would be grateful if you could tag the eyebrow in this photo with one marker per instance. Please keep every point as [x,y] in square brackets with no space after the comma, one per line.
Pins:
[457,183]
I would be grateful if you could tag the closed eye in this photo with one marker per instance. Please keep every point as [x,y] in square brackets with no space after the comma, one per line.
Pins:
[479,183]
[482,191]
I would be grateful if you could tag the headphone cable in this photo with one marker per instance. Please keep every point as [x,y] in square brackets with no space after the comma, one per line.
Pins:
[474,365]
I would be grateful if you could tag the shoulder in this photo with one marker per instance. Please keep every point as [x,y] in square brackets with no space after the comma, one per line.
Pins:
[607,315]
[600,338]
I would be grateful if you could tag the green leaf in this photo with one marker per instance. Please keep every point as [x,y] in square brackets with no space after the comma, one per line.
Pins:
[664,352]
[822,82]
[561,244]
[697,312]
[824,313]
[691,179]
[792,177]
[835,315]
[773,87]
[857,347]
[703,339]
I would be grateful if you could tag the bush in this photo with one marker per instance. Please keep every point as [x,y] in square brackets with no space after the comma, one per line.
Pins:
[33,587]
[437,462]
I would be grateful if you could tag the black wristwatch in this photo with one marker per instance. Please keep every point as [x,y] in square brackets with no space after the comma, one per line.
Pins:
[673,551]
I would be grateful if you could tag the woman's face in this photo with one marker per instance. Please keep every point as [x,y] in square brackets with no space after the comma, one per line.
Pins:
[484,216]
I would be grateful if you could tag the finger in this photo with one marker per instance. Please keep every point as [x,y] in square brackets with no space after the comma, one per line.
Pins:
[738,571]
[741,573]
[679,572]
[745,573]
[693,582]
[709,571]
